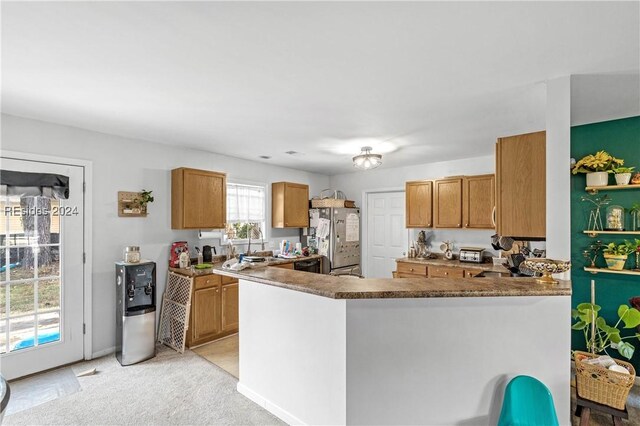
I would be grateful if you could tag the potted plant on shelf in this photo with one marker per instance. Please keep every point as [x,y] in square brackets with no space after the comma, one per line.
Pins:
[623,174]
[609,381]
[145,198]
[597,166]
[616,254]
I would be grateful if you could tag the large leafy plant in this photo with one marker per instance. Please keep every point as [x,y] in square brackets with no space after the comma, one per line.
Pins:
[599,336]
[601,161]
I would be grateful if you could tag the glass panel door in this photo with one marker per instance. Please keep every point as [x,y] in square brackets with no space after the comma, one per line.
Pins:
[29,272]
[41,274]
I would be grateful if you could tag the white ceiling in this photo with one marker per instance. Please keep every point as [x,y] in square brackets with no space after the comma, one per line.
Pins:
[434,81]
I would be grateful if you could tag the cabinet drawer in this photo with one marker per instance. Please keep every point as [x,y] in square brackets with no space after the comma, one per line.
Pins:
[206,281]
[228,280]
[412,268]
[470,273]
[444,272]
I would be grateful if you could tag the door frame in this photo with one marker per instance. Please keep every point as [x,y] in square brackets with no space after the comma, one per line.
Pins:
[87,167]
[364,256]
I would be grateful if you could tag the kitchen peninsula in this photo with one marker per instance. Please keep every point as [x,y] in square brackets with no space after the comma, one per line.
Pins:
[318,349]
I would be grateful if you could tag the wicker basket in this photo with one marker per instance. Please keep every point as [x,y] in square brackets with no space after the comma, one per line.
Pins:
[601,385]
[336,200]
[327,202]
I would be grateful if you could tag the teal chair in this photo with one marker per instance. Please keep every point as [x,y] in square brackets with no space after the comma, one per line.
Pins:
[527,402]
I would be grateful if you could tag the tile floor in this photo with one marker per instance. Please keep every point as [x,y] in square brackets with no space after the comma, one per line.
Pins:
[223,353]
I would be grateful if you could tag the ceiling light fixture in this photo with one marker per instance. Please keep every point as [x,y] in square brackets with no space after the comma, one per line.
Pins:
[366,160]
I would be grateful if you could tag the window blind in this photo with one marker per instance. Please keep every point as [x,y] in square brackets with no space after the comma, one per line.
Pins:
[245,203]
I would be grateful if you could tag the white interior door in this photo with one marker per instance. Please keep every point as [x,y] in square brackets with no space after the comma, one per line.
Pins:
[41,275]
[386,235]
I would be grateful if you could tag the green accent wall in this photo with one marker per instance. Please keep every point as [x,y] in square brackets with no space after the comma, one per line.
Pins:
[621,138]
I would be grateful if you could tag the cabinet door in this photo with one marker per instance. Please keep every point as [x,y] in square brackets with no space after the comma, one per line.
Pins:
[289,205]
[418,198]
[447,197]
[230,307]
[296,206]
[521,185]
[479,201]
[206,313]
[198,199]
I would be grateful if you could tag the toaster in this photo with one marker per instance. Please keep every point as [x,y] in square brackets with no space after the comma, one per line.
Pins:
[471,254]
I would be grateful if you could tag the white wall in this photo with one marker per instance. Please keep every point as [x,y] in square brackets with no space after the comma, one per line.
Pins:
[121,164]
[558,177]
[355,184]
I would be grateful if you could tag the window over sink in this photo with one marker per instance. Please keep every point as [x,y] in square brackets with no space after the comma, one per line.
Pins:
[246,212]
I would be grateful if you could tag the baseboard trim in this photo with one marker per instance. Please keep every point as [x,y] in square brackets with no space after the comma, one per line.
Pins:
[103,352]
[274,409]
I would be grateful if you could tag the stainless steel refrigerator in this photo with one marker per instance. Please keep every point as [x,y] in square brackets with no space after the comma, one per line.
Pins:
[338,239]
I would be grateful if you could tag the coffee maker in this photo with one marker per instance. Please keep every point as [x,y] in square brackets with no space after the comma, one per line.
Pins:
[135,312]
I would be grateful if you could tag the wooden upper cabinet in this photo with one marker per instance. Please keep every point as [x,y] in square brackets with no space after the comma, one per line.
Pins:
[418,198]
[198,199]
[289,205]
[447,203]
[478,201]
[521,185]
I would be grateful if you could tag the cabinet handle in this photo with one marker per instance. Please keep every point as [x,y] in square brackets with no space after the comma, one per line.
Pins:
[458,225]
[446,273]
[466,225]
[224,289]
[493,216]
[411,269]
[429,224]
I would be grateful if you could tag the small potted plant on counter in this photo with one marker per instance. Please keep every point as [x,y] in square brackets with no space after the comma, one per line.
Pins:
[616,254]
[603,379]
[623,174]
[597,167]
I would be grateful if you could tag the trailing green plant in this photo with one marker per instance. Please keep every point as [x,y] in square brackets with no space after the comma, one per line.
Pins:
[635,208]
[623,249]
[620,170]
[145,198]
[599,336]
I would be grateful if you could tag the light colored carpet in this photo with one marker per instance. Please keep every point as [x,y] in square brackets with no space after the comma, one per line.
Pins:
[224,353]
[170,389]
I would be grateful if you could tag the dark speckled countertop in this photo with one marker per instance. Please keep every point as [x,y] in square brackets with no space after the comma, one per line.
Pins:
[346,287]
[219,260]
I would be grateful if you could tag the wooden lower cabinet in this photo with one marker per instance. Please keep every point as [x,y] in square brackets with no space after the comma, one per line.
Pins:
[416,270]
[214,309]
[445,272]
[229,307]
[411,269]
[206,313]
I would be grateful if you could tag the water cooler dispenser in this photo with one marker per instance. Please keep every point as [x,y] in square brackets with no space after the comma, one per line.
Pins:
[135,312]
